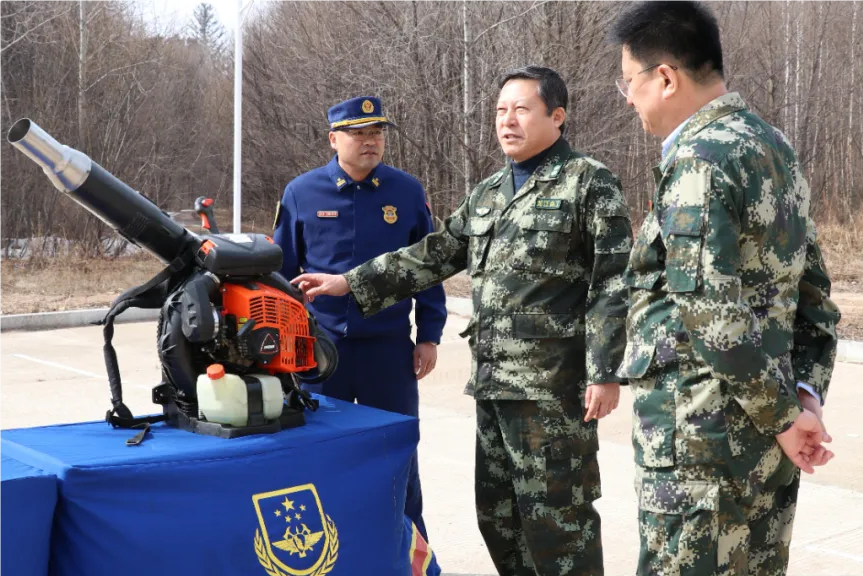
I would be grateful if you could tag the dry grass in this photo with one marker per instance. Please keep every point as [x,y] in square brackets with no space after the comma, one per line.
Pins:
[47,285]
[842,246]
[43,285]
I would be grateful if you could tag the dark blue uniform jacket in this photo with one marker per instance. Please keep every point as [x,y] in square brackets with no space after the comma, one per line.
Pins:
[329,223]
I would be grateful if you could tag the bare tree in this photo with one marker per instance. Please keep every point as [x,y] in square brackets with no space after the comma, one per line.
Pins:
[154,107]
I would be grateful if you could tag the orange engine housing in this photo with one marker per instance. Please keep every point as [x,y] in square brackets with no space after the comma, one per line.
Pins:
[271,308]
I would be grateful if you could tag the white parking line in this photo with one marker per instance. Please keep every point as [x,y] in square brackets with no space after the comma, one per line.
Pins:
[60,366]
[74,370]
[834,553]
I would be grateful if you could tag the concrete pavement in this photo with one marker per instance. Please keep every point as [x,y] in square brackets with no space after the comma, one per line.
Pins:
[56,376]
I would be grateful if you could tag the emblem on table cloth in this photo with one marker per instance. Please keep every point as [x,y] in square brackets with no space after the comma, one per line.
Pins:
[294,537]
[390,216]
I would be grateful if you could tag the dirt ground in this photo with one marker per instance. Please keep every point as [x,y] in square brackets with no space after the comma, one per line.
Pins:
[75,283]
[49,285]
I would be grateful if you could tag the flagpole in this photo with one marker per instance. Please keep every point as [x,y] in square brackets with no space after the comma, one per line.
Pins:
[238,115]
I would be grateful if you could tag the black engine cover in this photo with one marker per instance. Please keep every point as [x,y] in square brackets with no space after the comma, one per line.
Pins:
[240,255]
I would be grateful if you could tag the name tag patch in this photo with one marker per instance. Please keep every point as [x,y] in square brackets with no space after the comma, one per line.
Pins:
[328,213]
[549,203]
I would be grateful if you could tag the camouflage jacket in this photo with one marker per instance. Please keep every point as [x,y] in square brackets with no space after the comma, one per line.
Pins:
[547,275]
[729,300]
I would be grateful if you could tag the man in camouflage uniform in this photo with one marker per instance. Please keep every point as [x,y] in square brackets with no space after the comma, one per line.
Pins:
[729,309]
[545,241]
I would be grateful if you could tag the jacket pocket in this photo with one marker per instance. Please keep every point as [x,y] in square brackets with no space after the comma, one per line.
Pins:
[636,361]
[543,241]
[644,268]
[653,406]
[683,232]
[479,231]
[684,516]
[571,472]
[701,435]
[533,326]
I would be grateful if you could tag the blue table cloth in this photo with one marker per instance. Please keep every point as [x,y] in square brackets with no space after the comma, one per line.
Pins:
[324,498]
[26,512]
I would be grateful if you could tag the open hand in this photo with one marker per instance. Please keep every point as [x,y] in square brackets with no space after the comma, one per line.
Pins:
[425,359]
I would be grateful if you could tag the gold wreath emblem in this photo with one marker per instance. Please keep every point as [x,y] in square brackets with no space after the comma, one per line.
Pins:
[330,556]
[368,107]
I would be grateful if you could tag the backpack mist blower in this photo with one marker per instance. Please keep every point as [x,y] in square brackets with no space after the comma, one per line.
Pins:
[224,308]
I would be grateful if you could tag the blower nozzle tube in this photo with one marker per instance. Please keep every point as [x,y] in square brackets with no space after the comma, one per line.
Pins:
[132,215]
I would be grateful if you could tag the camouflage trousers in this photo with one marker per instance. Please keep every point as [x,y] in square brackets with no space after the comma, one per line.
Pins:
[705,520]
[536,478]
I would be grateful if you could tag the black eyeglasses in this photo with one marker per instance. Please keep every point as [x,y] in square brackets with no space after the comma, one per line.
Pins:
[623,85]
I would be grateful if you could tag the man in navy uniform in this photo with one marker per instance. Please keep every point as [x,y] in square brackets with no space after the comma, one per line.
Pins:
[336,217]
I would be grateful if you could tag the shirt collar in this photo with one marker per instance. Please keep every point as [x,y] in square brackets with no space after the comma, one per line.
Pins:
[666,144]
[553,161]
[717,108]
[341,179]
[531,164]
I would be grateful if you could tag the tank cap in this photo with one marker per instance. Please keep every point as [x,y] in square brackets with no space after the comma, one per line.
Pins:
[215,371]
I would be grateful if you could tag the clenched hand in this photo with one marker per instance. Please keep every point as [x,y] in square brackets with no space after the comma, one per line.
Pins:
[802,442]
[321,285]
[600,400]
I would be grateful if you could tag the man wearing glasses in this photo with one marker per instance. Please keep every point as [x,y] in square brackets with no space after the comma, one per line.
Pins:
[338,216]
[731,333]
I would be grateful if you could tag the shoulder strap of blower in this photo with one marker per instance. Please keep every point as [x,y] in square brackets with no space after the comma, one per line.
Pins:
[151,294]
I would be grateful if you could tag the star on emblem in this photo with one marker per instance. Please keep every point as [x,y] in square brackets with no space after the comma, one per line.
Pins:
[288,504]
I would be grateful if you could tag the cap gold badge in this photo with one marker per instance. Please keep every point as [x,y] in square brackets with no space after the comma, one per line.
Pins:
[368,107]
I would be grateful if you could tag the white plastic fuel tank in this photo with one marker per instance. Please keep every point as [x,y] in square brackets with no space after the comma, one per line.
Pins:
[223,398]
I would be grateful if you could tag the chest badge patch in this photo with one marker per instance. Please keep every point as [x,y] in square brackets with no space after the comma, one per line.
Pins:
[548,203]
[328,213]
[390,215]
[482,210]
